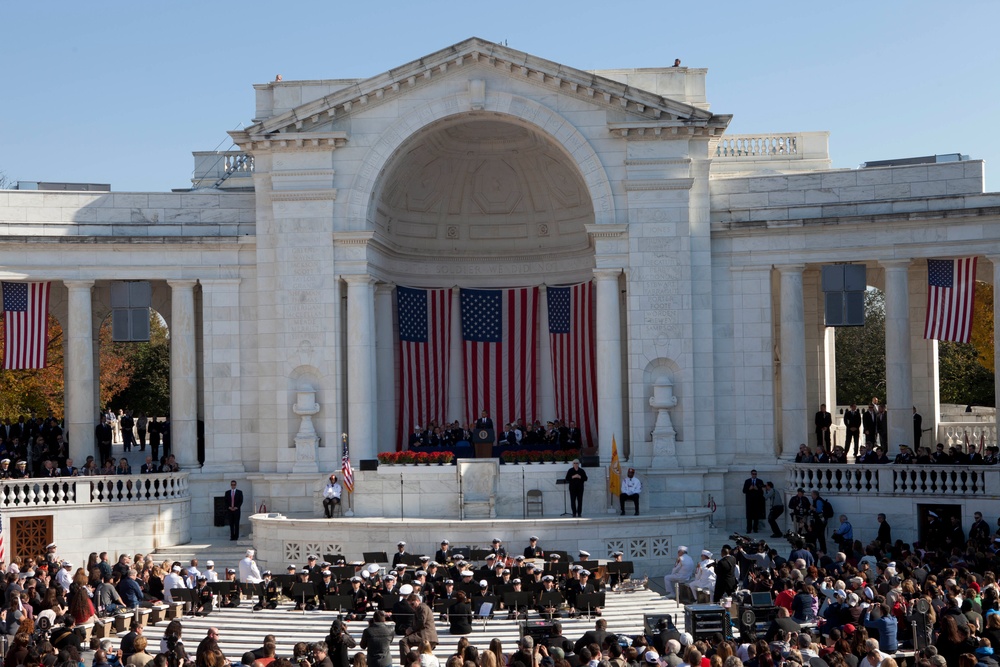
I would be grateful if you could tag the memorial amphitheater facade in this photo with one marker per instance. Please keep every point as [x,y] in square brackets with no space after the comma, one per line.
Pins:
[480,166]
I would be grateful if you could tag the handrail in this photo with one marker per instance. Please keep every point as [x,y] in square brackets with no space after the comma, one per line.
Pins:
[889,480]
[68,491]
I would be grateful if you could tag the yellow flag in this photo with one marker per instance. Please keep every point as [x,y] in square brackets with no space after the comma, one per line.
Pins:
[615,478]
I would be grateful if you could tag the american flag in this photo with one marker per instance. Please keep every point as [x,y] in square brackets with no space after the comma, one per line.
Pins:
[346,471]
[500,353]
[571,335]
[26,336]
[951,286]
[424,340]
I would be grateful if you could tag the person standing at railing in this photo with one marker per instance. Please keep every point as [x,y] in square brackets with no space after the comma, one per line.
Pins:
[918,431]
[104,435]
[869,424]
[823,422]
[852,424]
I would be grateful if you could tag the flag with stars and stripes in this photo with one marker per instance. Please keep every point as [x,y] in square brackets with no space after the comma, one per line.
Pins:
[424,325]
[951,286]
[499,353]
[346,471]
[26,334]
[571,337]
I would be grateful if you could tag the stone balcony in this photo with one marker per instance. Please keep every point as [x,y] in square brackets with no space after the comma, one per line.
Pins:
[745,154]
[929,482]
[63,491]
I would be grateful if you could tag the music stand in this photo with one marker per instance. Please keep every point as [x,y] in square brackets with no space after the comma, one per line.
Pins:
[551,598]
[342,572]
[185,595]
[335,559]
[341,603]
[222,588]
[565,487]
[478,554]
[442,606]
[514,602]
[375,557]
[591,601]
[556,569]
[410,560]
[303,589]
[389,601]
[251,590]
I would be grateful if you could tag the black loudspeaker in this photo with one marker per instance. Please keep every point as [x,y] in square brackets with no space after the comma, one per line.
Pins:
[538,630]
[369,464]
[590,461]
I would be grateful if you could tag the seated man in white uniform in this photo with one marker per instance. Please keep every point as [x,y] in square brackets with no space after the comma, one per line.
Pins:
[682,573]
[704,576]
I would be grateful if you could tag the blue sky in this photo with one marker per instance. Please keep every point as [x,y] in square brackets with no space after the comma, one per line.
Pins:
[122,92]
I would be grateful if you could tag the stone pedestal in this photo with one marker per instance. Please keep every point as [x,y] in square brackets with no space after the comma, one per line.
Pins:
[664,436]
[306,440]
[478,483]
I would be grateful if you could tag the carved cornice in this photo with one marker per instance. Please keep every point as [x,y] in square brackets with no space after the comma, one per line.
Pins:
[264,142]
[659,184]
[304,195]
[607,231]
[656,161]
[353,238]
[477,52]
[674,129]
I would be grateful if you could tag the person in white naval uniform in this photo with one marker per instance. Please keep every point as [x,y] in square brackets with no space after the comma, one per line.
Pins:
[249,572]
[704,576]
[682,573]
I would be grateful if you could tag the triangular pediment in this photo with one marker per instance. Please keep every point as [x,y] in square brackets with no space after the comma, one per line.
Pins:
[641,108]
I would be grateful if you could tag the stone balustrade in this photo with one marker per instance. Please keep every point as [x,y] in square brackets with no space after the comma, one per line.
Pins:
[210,166]
[892,480]
[960,433]
[63,491]
[758,145]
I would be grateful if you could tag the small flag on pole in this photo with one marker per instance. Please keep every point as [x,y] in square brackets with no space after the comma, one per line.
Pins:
[951,288]
[26,330]
[346,471]
[615,478]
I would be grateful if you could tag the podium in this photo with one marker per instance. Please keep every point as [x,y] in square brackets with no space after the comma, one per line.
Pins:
[482,442]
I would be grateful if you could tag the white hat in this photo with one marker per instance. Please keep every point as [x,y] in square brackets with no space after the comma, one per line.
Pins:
[651,656]
[405,589]
[250,552]
[373,568]
[175,568]
[50,545]
[584,573]
[684,549]
[706,553]
[66,563]
[490,556]
[933,514]
[532,539]
[365,575]
[445,542]
[483,584]
[585,553]
[210,563]
[466,573]
[400,544]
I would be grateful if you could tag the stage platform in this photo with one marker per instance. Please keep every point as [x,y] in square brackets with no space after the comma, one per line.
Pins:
[649,540]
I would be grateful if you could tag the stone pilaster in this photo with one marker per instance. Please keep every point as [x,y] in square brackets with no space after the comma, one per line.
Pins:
[361,408]
[79,393]
[898,373]
[183,375]
[794,417]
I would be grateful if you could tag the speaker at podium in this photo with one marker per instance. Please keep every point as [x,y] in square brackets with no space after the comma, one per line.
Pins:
[482,441]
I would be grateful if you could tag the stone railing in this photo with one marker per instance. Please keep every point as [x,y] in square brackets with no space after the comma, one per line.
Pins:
[210,166]
[91,490]
[960,433]
[888,480]
[758,146]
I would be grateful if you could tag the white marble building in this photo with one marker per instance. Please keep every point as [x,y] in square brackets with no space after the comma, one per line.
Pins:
[483,166]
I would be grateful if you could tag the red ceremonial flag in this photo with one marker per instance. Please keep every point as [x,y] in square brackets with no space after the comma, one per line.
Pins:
[951,286]
[571,335]
[424,325]
[499,353]
[26,331]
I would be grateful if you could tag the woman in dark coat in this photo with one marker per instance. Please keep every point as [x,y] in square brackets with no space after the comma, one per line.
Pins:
[460,615]
[338,642]
[954,641]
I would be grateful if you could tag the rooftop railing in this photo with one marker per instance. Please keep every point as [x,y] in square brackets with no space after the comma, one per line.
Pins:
[49,491]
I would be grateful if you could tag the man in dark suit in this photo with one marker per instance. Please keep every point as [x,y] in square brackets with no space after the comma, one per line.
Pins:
[869,421]
[852,422]
[234,501]
[918,423]
[753,489]
[595,636]
[725,575]
[823,421]
[484,420]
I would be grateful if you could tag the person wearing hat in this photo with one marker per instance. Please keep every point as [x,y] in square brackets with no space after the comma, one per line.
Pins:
[576,478]
[5,470]
[443,555]
[359,597]
[533,550]
[497,549]
[331,495]
[401,554]
[630,489]
[203,596]
[21,470]
[905,456]
[704,576]
[682,573]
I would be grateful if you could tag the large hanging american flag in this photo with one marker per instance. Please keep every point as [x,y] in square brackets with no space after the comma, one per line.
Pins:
[951,286]
[499,352]
[571,336]
[424,324]
[26,335]
[346,471]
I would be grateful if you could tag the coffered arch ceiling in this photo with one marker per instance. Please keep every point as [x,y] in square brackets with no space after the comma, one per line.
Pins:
[483,186]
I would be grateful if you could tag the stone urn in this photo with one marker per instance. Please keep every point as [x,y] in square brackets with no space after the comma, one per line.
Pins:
[306,440]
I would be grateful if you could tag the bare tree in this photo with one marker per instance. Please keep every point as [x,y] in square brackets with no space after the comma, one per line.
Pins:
[6,182]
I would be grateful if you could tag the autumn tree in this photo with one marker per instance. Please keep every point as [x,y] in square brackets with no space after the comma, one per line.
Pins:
[861,354]
[148,386]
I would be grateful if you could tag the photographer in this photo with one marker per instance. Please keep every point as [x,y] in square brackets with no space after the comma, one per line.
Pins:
[798,508]
[321,657]
[337,643]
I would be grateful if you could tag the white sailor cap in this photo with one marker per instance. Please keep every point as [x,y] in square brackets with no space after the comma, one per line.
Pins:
[516,581]
[356,580]
[420,573]
[466,573]
[532,539]
[373,568]
[548,577]
[312,557]
[405,589]
[445,542]
[175,568]
[400,544]
[210,563]
[584,573]
[682,548]
[706,553]
[424,559]
[482,583]
[585,553]
[490,556]
[327,573]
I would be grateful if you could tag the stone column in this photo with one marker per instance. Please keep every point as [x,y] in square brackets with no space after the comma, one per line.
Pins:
[386,368]
[79,391]
[361,367]
[221,374]
[898,373]
[546,381]
[610,421]
[456,372]
[183,375]
[995,260]
[794,417]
